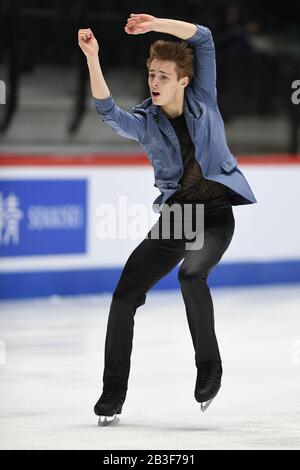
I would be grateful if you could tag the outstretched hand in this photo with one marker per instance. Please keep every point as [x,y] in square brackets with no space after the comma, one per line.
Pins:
[139,23]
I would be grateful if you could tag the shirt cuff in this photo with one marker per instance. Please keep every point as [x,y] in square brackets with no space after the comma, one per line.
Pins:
[200,35]
[104,105]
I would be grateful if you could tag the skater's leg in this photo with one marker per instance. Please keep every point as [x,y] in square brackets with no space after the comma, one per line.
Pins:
[146,265]
[197,264]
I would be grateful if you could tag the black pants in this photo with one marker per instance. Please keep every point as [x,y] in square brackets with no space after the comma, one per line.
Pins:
[151,260]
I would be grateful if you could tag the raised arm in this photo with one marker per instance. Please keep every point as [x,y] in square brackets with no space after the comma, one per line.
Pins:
[126,124]
[204,81]
[198,37]
[142,23]
[89,46]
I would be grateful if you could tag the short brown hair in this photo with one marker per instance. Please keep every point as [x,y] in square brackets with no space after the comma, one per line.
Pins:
[178,52]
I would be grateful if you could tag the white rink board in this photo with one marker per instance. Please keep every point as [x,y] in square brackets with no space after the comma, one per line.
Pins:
[268,230]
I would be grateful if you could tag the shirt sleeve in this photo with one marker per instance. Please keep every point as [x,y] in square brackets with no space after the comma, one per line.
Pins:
[204,81]
[127,124]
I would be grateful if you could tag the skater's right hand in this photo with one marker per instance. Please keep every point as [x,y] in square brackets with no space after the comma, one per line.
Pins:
[88,43]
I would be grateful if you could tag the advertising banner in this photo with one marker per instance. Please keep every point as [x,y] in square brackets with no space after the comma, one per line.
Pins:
[42,217]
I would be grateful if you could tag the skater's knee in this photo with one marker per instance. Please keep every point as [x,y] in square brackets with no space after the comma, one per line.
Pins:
[120,297]
[123,291]
[187,273]
[129,297]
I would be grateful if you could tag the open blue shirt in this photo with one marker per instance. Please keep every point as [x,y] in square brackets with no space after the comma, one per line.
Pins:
[149,126]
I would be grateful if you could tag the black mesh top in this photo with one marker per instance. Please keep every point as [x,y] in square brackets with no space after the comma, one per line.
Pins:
[194,186]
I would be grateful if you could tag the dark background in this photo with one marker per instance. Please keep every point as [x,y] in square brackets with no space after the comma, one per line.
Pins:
[257,45]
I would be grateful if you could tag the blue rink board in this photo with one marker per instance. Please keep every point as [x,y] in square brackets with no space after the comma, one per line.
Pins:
[21,285]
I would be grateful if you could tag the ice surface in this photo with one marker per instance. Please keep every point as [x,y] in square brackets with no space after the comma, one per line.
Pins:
[52,374]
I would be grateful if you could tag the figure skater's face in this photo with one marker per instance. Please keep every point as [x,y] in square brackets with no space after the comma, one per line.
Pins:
[164,85]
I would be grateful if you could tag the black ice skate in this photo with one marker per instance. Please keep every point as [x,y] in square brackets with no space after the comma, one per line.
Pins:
[208,382]
[109,405]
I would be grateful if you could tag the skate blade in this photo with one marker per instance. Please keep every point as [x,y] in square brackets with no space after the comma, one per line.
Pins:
[206,404]
[107,420]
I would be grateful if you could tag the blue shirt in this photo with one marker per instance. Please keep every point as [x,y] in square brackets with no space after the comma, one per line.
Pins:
[149,126]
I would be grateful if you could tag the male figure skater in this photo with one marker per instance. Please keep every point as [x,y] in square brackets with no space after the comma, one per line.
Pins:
[182,132]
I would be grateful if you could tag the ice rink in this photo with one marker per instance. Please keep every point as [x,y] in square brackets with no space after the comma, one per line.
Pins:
[51,374]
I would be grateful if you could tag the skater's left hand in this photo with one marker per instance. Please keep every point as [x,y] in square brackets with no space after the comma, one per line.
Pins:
[139,24]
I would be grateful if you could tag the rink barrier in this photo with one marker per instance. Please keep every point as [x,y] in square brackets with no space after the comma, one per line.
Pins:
[26,279]
[117,159]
